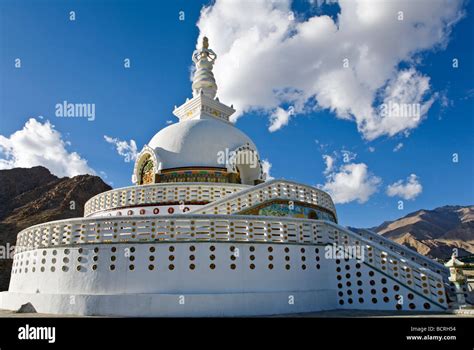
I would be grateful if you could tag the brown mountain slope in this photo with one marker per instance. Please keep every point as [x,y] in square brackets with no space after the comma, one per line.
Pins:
[14,182]
[33,196]
[434,232]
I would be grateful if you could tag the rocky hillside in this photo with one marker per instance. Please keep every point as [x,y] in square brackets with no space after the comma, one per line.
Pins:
[33,196]
[434,232]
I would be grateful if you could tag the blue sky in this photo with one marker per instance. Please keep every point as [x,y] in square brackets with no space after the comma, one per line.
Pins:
[82,61]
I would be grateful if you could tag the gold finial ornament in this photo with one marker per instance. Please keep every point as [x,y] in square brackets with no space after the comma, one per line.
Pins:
[205,42]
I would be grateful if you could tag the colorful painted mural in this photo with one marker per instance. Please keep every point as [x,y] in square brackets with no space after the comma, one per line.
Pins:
[147,173]
[197,175]
[290,209]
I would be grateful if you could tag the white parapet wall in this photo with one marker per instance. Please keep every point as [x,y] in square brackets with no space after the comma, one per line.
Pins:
[162,193]
[248,265]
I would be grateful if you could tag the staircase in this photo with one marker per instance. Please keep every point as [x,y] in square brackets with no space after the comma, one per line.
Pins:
[288,190]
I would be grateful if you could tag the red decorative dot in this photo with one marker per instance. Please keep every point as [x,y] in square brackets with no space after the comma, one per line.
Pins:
[171,210]
[156,211]
[185,209]
[142,211]
[130,212]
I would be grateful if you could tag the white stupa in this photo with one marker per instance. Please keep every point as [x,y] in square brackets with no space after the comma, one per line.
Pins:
[202,234]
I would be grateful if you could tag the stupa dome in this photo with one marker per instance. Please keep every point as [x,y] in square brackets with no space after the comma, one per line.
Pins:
[204,146]
[197,143]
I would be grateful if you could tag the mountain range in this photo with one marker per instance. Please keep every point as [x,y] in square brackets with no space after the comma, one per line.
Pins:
[434,233]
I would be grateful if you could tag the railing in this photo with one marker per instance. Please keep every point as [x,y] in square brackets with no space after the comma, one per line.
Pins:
[170,228]
[232,198]
[159,193]
[406,252]
[423,281]
[238,228]
[281,189]
[288,190]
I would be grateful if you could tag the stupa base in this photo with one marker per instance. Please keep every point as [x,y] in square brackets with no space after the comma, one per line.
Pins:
[174,305]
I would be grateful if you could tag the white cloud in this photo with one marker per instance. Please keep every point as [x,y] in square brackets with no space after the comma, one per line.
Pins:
[352,182]
[128,150]
[41,144]
[268,59]
[278,119]
[371,149]
[329,160]
[404,105]
[407,190]
[266,167]
[398,147]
